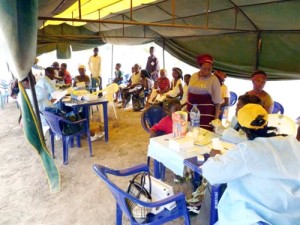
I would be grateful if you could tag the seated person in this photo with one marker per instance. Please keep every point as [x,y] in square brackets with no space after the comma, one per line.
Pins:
[118,80]
[163,86]
[153,94]
[139,95]
[165,125]
[176,90]
[259,79]
[260,173]
[14,89]
[163,83]
[64,75]
[135,81]
[183,101]
[44,88]
[232,134]
[82,77]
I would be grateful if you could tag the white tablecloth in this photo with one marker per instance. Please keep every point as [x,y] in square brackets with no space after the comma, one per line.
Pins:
[159,150]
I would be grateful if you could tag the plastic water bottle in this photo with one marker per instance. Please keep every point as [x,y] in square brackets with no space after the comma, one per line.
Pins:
[195,116]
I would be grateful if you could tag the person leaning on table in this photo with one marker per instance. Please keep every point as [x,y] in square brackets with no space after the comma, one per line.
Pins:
[262,174]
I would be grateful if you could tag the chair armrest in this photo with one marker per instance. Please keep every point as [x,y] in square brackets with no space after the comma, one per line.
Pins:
[124,172]
[75,122]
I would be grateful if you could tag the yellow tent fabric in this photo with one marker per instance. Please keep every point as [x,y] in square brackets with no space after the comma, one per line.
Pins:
[95,9]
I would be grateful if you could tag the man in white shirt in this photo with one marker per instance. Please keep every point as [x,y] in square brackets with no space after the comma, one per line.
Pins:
[44,87]
[95,68]
[262,174]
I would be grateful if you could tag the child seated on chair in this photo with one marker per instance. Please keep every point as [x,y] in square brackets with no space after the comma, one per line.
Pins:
[165,124]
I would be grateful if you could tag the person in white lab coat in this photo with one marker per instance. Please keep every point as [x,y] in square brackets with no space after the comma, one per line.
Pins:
[262,174]
[44,88]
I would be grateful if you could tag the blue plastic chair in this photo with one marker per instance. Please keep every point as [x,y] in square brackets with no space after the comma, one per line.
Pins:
[55,123]
[4,93]
[121,207]
[278,108]
[151,116]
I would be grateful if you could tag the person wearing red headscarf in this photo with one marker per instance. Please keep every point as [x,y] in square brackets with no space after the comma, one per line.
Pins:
[205,91]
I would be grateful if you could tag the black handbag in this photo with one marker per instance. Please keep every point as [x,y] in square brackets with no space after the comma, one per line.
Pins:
[137,189]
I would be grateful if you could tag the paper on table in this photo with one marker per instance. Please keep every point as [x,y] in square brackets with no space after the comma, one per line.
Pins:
[58,95]
[216,144]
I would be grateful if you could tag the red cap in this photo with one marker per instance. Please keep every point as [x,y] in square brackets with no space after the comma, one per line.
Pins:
[205,58]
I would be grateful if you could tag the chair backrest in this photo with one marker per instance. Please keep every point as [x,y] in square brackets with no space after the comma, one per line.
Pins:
[151,116]
[117,192]
[54,122]
[110,90]
[278,108]
[233,98]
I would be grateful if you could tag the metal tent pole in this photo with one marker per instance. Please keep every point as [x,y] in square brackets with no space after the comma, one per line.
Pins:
[35,103]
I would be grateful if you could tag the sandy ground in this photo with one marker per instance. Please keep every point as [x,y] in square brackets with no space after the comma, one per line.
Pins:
[24,193]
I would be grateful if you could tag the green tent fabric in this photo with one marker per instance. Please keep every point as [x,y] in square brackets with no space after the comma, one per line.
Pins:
[18,34]
[35,138]
[65,38]
[242,35]
[18,38]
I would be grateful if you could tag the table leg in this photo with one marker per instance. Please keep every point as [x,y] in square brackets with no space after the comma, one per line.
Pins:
[105,121]
[156,166]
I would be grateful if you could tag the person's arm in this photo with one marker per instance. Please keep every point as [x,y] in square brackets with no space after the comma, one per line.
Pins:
[152,134]
[269,104]
[180,91]
[160,126]
[225,102]
[217,111]
[87,82]
[75,81]
[298,133]
[224,168]
[168,86]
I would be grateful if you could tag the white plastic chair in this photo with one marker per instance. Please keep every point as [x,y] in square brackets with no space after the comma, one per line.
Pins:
[108,93]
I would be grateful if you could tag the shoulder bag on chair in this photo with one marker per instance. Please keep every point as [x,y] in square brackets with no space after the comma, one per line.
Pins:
[137,189]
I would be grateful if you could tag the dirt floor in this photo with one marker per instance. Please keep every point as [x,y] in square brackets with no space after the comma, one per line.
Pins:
[24,193]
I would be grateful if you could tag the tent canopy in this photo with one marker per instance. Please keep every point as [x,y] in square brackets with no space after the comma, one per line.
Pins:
[242,35]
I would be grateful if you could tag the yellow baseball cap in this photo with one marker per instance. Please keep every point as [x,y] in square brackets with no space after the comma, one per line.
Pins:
[81,67]
[252,116]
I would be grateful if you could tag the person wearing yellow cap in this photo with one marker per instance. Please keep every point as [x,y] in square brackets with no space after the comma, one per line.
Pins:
[262,174]
[82,77]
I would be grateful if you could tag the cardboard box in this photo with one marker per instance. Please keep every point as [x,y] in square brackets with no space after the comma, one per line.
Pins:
[180,124]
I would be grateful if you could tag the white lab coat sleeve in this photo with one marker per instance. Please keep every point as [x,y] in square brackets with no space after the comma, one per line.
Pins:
[40,93]
[224,168]
[50,87]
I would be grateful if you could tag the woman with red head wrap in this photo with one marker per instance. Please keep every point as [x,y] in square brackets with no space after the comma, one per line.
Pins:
[205,91]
